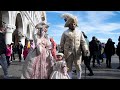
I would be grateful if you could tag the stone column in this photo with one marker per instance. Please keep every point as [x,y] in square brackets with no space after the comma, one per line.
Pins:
[9,31]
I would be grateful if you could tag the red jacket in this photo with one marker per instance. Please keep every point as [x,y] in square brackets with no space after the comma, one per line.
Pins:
[25,52]
[53,51]
[8,51]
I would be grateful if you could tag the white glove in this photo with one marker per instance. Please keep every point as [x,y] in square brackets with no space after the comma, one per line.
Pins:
[87,53]
[65,71]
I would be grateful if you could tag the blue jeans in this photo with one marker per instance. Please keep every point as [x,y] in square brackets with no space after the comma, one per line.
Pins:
[3,63]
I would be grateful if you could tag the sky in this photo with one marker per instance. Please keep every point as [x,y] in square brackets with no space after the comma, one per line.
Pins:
[101,24]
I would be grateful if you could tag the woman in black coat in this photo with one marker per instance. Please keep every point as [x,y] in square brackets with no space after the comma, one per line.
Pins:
[109,51]
[19,48]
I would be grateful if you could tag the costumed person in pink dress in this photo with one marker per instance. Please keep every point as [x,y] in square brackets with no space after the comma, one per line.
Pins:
[36,65]
[53,49]
[59,68]
[25,52]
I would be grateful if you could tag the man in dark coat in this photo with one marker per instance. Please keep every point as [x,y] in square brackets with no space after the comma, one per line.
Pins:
[19,48]
[109,51]
[94,47]
[3,61]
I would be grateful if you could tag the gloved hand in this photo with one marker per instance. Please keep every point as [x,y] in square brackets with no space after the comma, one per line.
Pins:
[65,70]
[87,53]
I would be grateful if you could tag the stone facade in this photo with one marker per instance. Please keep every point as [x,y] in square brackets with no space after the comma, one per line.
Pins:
[20,24]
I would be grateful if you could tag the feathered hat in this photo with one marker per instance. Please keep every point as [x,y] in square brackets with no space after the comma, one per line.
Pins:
[69,18]
[40,25]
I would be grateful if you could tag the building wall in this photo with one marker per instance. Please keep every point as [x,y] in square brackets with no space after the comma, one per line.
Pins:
[26,21]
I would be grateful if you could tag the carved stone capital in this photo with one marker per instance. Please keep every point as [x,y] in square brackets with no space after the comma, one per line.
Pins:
[10,28]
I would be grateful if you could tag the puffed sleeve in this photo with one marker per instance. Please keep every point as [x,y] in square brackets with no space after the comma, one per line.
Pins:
[54,66]
[53,62]
[37,41]
[62,42]
[64,66]
[63,63]
[35,36]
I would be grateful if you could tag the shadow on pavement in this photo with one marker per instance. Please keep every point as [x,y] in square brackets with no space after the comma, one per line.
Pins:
[13,77]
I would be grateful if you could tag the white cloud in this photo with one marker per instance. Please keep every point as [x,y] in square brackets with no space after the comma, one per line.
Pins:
[109,27]
[96,17]
[60,26]
[96,23]
[86,27]
[110,33]
[101,28]
[92,22]
[102,40]
[117,11]
[56,32]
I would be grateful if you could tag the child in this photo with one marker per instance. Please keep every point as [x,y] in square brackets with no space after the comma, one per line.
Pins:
[59,68]
[25,52]
[8,54]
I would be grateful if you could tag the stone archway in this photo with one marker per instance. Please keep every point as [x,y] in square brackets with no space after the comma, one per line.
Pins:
[4,17]
[17,34]
[4,21]
[27,35]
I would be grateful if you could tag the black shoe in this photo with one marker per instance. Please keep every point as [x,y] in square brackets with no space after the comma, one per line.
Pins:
[74,71]
[118,67]
[90,74]
[94,66]
[109,67]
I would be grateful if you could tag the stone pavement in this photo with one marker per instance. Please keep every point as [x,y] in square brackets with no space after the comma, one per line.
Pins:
[99,72]
[14,69]
[103,72]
